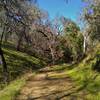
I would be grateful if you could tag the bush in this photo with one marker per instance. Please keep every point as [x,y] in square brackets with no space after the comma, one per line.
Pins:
[96,66]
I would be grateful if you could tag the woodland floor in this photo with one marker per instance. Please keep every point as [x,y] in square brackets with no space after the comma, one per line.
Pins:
[43,86]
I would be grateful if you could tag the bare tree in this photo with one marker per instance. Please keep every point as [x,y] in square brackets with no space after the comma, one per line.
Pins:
[14,13]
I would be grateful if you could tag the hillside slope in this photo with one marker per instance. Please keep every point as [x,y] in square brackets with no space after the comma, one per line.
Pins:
[19,62]
[87,74]
[20,66]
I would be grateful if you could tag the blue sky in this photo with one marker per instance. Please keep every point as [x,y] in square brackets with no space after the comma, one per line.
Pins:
[59,7]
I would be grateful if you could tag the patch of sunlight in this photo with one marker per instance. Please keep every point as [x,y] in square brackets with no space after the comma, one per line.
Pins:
[11,90]
[57,75]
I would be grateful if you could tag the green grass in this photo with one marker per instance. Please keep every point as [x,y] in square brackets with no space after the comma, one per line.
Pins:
[16,56]
[19,63]
[86,77]
[10,91]
[59,67]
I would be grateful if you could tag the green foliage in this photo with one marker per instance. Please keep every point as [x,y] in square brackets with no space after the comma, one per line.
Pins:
[87,78]
[91,15]
[74,41]
[96,65]
[11,90]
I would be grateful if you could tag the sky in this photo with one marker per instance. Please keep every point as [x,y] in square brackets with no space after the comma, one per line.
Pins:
[60,7]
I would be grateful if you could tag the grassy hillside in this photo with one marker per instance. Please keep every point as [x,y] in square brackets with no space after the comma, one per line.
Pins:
[19,63]
[85,74]
[9,92]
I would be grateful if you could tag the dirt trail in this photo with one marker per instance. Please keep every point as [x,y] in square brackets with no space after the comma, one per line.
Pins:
[42,87]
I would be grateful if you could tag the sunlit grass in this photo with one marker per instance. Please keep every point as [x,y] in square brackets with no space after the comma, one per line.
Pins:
[86,77]
[11,90]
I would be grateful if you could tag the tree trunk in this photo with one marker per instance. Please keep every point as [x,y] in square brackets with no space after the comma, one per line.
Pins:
[5,69]
[6,38]
[52,54]
[4,65]
[84,45]
[19,44]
